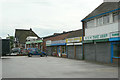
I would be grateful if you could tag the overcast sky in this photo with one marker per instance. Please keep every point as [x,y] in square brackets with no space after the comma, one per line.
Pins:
[45,17]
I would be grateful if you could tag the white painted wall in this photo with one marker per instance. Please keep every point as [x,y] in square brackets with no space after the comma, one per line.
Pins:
[113,27]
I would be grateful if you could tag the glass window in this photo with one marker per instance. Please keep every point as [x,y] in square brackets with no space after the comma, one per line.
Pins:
[106,19]
[90,24]
[116,50]
[63,50]
[115,16]
[99,21]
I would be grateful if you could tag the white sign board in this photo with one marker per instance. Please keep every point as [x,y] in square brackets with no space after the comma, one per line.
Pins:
[95,37]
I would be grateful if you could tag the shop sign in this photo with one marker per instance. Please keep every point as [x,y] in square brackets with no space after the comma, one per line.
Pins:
[101,40]
[57,42]
[115,34]
[48,42]
[28,42]
[76,39]
[94,37]
[77,43]
[88,41]
[69,44]
[38,41]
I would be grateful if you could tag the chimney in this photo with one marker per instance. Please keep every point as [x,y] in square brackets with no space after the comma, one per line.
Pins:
[30,29]
[63,31]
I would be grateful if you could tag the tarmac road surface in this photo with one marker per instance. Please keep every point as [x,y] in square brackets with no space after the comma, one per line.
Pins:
[54,67]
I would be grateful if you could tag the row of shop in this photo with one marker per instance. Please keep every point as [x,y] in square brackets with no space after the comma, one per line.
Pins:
[103,48]
[71,48]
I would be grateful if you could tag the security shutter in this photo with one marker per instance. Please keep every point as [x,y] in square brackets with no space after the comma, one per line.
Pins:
[79,52]
[70,51]
[103,52]
[89,51]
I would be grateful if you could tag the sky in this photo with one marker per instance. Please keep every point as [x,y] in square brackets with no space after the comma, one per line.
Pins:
[45,17]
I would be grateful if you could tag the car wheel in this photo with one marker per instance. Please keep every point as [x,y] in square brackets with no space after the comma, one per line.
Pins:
[29,55]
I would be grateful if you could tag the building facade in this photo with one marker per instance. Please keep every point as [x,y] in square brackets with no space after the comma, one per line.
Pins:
[102,34]
[57,48]
[21,35]
[74,48]
[34,42]
[69,45]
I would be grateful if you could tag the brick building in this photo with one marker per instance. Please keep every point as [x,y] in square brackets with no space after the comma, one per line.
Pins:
[56,44]
[21,35]
[102,33]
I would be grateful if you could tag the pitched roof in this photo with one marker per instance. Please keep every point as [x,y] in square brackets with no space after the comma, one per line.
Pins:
[105,7]
[75,33]
[22,34]
[55,35]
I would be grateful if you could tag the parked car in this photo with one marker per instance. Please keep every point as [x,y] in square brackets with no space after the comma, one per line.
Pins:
[24,51]
[15,50]
[35,51]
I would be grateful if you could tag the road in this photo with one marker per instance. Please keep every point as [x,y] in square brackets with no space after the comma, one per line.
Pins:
[53,67]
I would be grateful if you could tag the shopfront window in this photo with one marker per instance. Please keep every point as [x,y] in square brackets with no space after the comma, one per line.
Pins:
[116,50]
[54,50]
[63,50]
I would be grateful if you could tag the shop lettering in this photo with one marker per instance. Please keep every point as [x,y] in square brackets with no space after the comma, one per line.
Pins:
[97,37]
[76,39]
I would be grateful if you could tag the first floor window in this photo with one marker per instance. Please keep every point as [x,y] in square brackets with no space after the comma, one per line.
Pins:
[106,19]
[90,24]
[99,21]
[115,16]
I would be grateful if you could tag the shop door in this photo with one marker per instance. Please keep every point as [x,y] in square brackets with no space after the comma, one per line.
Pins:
[115,51]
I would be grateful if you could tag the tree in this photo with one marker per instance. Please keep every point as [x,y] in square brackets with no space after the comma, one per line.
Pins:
[12,40]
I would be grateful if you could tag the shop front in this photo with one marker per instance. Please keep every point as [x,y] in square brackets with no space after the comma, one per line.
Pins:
[115,47]
[59,48]
[102,48]
[74,48]
[34,44]
[56,48]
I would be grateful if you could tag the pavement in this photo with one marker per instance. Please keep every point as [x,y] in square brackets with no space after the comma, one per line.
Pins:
[54,67]
[0,68]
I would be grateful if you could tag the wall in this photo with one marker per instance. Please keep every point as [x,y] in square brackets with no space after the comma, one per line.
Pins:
[102,29]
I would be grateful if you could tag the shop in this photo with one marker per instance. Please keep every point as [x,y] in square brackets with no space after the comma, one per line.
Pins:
[59,48]
[74,48]
[115,47]
[56,48]
[101,27]
[34,44]
[102,48]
